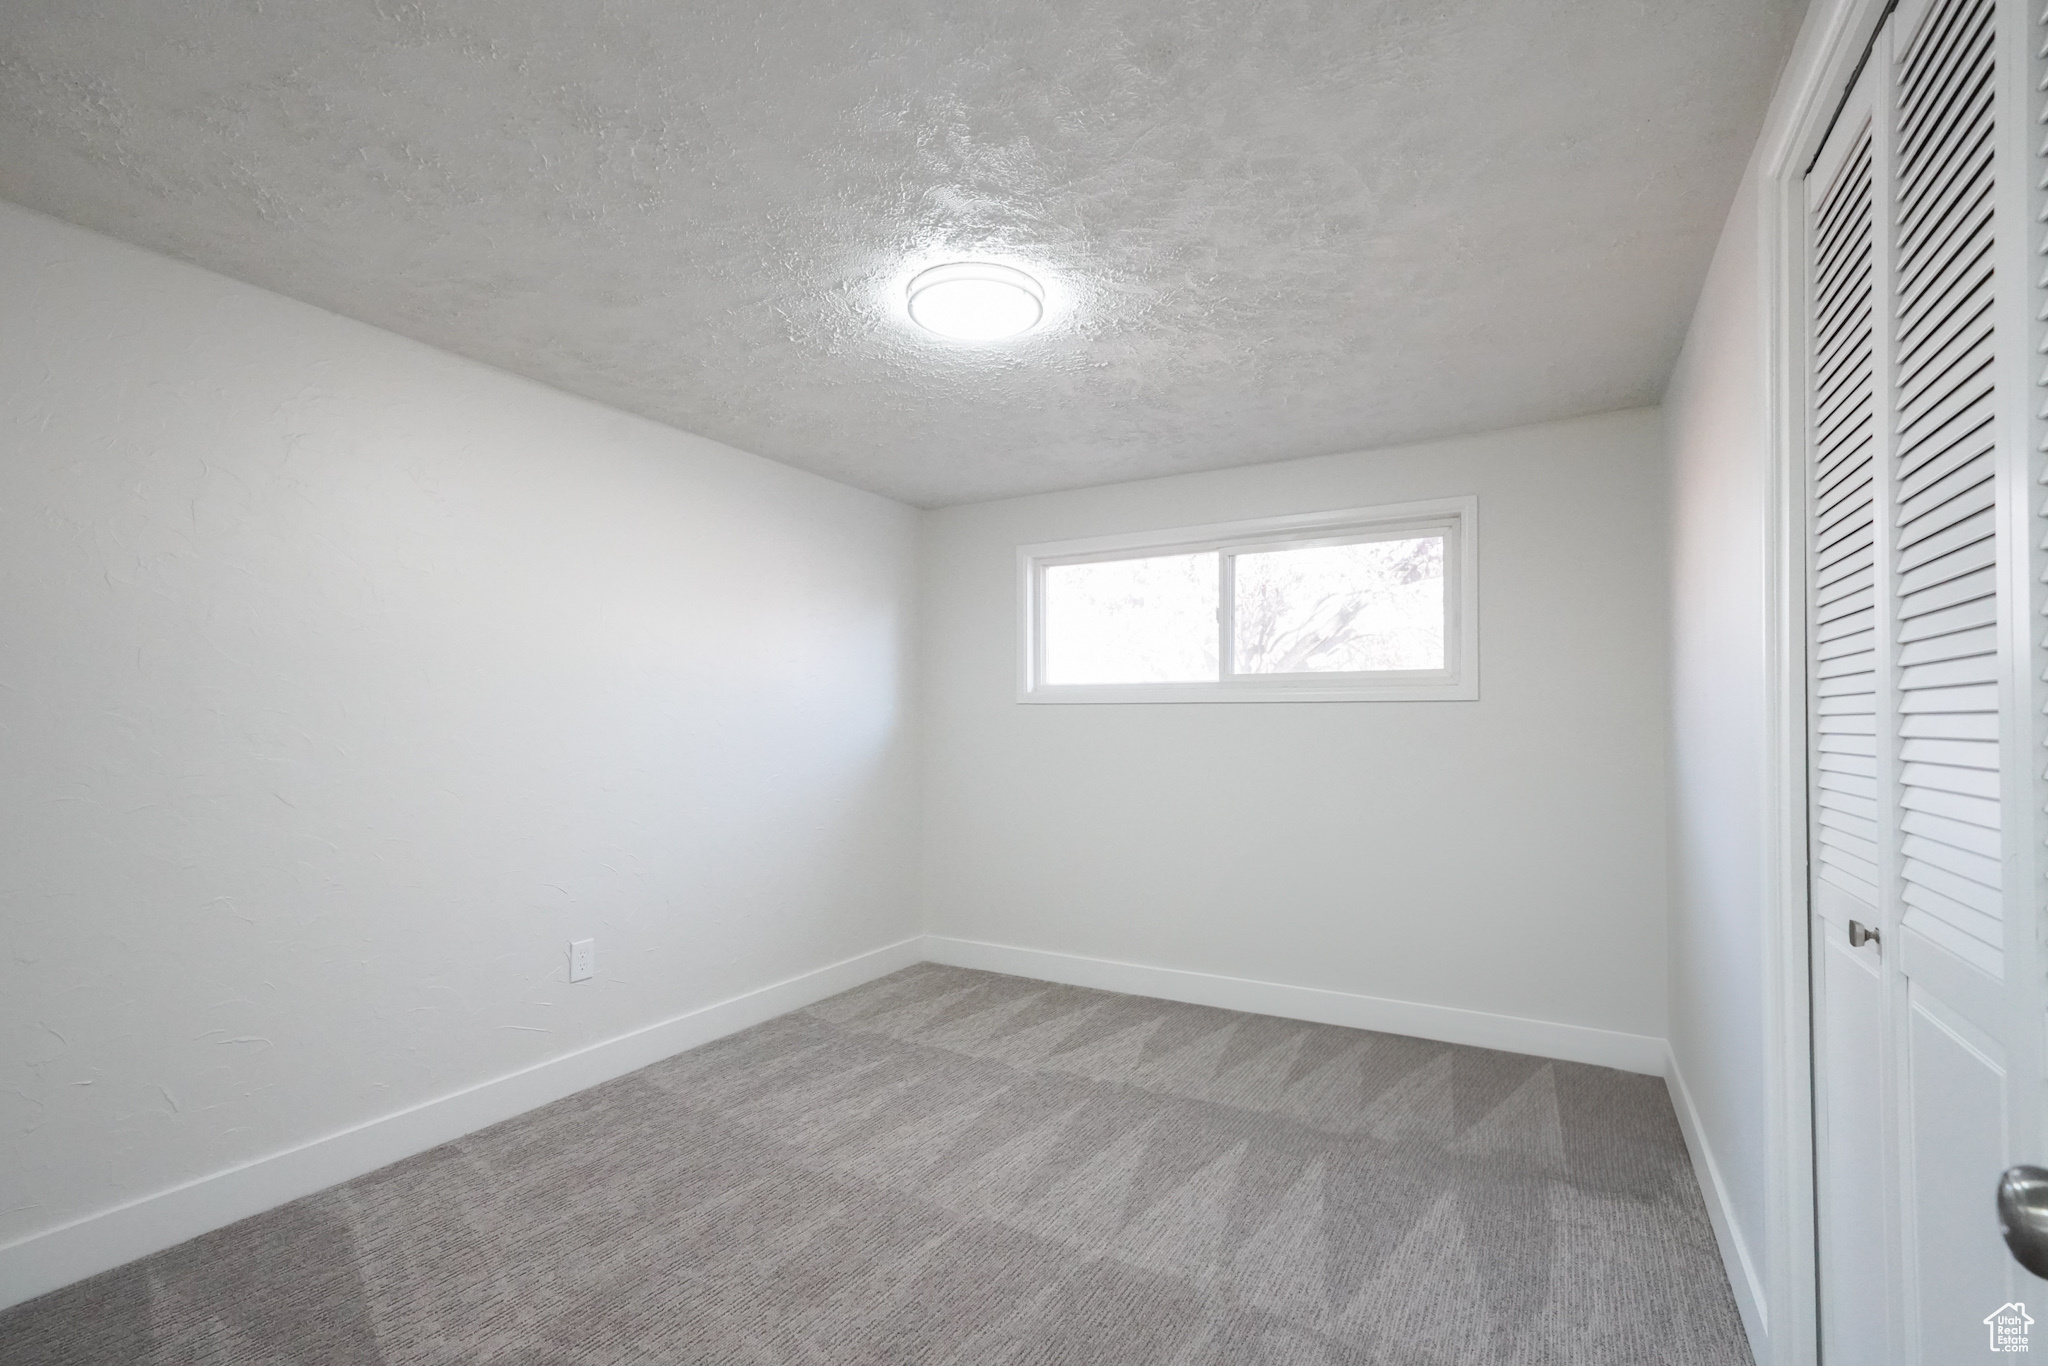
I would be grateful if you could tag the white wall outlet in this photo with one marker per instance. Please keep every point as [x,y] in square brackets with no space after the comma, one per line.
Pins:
[582,959]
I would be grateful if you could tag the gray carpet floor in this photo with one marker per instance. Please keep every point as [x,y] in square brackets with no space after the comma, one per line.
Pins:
[949,1166]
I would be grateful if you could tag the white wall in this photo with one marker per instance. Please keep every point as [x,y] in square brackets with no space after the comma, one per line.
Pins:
[1737,966]
[342,682]
[1502,856]
[1717,435]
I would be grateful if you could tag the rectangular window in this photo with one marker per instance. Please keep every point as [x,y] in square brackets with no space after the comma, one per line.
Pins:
[1372,603]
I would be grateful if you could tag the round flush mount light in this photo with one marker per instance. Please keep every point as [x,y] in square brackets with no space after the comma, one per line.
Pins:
[976,301]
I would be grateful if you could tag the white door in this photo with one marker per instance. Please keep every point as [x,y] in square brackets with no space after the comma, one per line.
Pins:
[1924,664]
[1846,237]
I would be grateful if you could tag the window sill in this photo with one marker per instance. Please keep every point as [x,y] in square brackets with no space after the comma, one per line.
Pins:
[1463,690]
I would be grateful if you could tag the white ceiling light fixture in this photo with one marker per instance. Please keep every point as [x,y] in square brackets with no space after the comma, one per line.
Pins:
[976,301]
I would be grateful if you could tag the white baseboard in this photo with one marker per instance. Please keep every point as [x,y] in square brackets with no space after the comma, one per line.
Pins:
[99,1242]
[1748,1286]
[1448,1024]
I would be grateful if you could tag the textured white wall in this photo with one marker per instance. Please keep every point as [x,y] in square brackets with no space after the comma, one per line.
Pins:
[342,682]
[1504,855]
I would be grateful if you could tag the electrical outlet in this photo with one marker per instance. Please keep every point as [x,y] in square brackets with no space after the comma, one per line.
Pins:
[582,959]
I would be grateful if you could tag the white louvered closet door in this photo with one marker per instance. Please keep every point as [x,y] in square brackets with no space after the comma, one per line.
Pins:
[1847,651]
[1925,797]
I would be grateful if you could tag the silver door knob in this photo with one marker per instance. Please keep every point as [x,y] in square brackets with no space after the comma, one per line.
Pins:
[2023,1214]
[1861,934]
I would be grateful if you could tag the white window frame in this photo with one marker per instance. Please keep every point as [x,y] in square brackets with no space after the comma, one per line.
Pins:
[1456,519]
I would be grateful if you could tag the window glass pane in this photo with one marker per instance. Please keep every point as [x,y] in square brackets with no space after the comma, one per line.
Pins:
[1132,621]
[1341,608]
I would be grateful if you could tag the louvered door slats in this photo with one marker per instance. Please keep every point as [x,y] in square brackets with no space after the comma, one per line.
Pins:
[1956,603]
[1934,41]
[1830,221]
[1944,342]
[1844,469]
[1928,387]
[1949,632]
[1839,316]
[1946,291]
[1845,647]
[1956,645]
[1941,466]
[1952,219]
[1957,807]
[1948,181]
[1932,554]
[1935,70]
[1951,564]
[1954,344]
[1959,496]
[1965,489]
[1835,230]
[1953,193]
[1851,573]
[1846,513]
[1970,780]
[1851,593]
[1838,411]
[1840,524]
[1951,725]
[1849,530]
[1943,492]
[1842,647]
[1935,290]
[1844,614]
[1853,794]
[1956,834]
[1954,874]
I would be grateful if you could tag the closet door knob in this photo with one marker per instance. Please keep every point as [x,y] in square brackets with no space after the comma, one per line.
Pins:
[2023,1214]
[1861,934]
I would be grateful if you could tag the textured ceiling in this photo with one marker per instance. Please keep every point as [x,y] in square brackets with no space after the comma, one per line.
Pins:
[1267,229]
